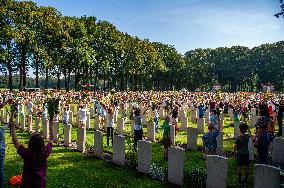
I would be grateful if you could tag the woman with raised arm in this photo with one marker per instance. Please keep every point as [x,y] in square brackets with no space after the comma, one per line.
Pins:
[35,158]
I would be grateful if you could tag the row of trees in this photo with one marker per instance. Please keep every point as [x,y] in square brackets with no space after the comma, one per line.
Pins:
[86,50]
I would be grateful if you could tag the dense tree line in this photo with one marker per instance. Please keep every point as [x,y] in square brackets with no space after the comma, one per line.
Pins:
[81,50]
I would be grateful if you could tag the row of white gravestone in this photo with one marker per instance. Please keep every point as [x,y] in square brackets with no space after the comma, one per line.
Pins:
[192,134]
[265,176]
[176,156]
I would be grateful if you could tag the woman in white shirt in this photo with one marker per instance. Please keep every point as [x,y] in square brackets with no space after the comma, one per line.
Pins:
[66,115]
[110,125]
[30,107]
[82,116]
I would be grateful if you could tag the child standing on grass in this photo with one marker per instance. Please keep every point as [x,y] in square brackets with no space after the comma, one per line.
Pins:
[2,154]
[210,140]
[241,153]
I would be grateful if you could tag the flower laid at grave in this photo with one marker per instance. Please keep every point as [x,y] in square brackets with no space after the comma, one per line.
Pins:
[157,172]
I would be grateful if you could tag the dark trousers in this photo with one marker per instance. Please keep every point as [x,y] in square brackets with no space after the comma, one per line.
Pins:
[138,134]
[279,119]
[262,156]
[2,156]
[109,134]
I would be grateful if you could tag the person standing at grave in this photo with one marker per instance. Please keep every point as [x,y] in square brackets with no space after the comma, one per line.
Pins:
[210,140]
[201,110]
[103,113]
[66,115]
[280,109]
[110,125]
[35,157]
[241,153]
[30,107]
[236,117]
[156,118]
[214,119]
[212,103]
[175,116]
[2,154]
[262,139]
[82,116]
[166,136]
[138,128]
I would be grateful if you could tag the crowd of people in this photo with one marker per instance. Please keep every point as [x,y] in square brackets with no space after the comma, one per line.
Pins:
[133,105]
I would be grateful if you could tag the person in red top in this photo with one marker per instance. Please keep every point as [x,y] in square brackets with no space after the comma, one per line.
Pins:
[35,158]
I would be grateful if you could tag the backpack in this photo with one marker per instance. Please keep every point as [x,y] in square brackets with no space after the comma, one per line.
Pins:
[15,180]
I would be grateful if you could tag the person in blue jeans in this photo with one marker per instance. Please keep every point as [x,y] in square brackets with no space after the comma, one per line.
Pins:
[201,110]
[2,154]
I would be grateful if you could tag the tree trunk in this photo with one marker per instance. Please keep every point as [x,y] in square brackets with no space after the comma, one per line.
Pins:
[36,72]
[10,77]
[76,86]
[21,79]
[58,80]
[46,77]
[68,81]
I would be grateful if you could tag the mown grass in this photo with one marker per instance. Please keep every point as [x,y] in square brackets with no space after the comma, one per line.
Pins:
[72,169]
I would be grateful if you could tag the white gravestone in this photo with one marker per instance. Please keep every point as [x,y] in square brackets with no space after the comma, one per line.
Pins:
[118,150]
[46,129]
[81,139]
[266,176]
[144,156]
[97,122]
[151,131]
[98,144]
[67,134]
[278,152]
[200,125]
[37,125]
[192,138]
[217,171]
[176,162]
[120,126]
[184,123]
[30,123]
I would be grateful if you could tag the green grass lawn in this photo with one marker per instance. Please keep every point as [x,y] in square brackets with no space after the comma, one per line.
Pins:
[68,168]
[72,169]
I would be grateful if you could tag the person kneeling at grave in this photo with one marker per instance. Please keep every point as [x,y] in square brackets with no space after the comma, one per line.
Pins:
[241,153]
[35,157]
[210,140]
